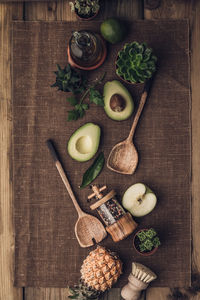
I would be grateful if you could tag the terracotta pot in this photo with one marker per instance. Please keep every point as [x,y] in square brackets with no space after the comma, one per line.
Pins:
[143,253]
[86,19]
[97,65]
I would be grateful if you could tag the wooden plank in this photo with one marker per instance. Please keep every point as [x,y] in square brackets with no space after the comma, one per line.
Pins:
[187,9]
[61,11]
[195,90]
[7,291]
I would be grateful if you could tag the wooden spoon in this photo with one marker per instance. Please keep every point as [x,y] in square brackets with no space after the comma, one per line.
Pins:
[88,229]
[123,158]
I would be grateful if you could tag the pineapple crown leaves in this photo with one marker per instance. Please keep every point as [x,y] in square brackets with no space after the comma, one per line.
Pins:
[148,240]
[136,62]
[69,80]
[85,7]
[82,292]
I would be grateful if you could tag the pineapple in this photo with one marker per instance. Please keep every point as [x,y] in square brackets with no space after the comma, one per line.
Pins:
[100,270]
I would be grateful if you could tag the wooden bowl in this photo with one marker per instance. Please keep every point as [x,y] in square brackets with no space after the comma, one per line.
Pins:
[143,253]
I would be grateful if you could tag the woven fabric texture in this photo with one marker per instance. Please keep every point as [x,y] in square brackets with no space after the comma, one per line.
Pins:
[46,251]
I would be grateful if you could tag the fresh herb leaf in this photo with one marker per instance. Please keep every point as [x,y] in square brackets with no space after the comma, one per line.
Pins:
[93,171]
[96,97]
[72,100]
[67,79]
[71,80]
[85,106]
[73,115]
[81,113]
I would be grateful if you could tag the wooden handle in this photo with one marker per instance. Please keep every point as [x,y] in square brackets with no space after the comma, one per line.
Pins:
[140,108]
[63,176]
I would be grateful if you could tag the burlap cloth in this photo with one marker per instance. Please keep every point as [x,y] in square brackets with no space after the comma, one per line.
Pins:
[46,250]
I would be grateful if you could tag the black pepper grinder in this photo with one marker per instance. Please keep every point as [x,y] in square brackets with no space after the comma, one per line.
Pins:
[119,223]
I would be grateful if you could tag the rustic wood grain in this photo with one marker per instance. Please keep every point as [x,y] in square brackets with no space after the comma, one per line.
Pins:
[7,12]
[191,10]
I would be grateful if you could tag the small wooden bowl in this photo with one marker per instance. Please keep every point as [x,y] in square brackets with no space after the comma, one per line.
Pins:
[143,253]
[97,65]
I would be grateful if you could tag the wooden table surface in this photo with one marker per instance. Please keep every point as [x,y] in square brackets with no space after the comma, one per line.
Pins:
[131,9]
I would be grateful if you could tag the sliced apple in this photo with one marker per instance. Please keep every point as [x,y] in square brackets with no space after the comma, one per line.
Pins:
[139,200]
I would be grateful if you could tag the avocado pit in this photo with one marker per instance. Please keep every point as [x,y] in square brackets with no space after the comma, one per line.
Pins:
[117,103]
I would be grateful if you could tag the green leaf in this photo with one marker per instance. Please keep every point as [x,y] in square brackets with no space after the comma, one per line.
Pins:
[96,97]
[73,115]
[142,248]
[93,170]
[85,106]
[74,296]
[156,242]
[148,245]
[72,100]
[120,62]
[141,235]
[154,58]
[147,54]
[81,113]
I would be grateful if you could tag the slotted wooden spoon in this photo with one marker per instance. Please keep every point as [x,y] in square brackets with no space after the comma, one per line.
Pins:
[123,157]
[88,229]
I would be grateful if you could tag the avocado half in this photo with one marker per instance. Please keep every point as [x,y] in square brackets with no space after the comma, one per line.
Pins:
[84,142]
[115,87]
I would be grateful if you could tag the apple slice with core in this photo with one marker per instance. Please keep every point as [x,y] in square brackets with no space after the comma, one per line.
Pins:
[139,200]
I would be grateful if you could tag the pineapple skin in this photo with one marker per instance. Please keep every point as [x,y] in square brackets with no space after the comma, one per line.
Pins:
[101,269]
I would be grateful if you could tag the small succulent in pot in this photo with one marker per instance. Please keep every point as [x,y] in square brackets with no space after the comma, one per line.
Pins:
[146,241]
[135,63]
[86,9]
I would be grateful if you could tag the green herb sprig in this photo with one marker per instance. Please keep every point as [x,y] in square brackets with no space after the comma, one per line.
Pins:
[79,106]
[71,80]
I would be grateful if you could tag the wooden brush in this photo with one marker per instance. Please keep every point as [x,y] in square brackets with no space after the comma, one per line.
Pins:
[139,280]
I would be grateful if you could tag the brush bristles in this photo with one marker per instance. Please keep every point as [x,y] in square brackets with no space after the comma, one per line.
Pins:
[143,273]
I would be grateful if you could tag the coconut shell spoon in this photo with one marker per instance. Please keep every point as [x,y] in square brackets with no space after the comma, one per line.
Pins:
[123,157]
[88,229]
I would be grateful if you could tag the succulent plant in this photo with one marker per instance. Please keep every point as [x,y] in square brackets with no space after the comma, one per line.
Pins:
[148,240]
[85,8]
[136,62]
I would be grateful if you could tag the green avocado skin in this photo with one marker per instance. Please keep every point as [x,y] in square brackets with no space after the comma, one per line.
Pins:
[89,129]
[116,87]
[112,30]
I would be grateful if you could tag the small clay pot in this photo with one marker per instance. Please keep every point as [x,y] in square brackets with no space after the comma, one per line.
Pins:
[84,18]
[143,253]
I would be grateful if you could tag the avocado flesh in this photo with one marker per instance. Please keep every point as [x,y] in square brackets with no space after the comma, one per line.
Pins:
[84,142]
[116,87]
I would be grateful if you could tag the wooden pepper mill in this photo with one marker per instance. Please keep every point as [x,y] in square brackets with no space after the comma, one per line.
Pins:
[139,280]
[118,223]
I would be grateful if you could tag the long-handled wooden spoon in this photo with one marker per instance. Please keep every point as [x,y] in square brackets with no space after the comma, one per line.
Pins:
[123,157]
[88,229]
